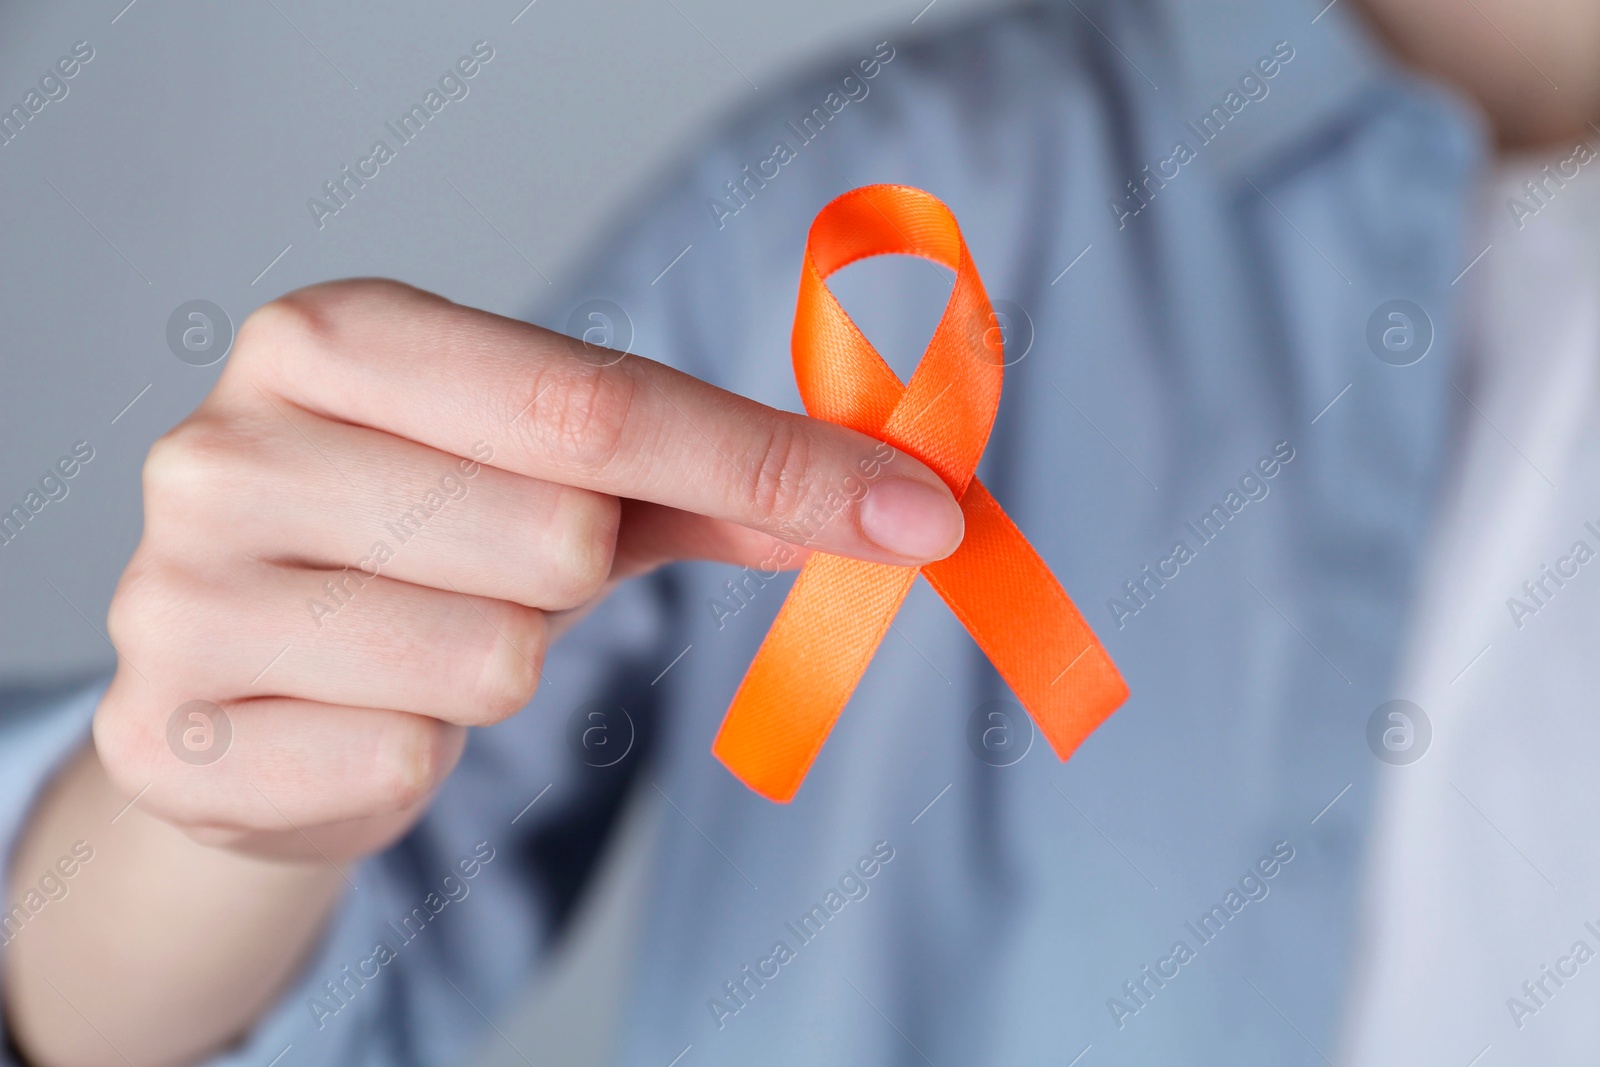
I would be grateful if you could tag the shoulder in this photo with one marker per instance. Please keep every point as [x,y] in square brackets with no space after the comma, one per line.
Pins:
[973,112]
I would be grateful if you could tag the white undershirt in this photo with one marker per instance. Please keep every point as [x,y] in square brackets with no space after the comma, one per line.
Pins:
[1460,910]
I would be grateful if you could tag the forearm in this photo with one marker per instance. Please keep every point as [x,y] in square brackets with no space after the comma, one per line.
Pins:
[158,949]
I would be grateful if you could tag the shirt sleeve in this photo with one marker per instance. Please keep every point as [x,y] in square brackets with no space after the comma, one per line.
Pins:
[438,933]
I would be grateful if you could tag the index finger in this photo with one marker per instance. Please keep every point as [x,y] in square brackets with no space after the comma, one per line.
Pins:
[396,359]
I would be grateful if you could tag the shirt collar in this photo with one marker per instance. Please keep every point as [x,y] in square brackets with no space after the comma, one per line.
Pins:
[1210,46]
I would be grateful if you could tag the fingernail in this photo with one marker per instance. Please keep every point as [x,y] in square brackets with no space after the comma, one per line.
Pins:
[912,519]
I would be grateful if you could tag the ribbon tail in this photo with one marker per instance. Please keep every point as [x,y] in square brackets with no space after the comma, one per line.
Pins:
[819,646]
[1026,624]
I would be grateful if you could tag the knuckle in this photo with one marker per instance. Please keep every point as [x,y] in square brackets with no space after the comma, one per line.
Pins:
[125,743]
[412,756]
[170,465]
[294,322]
[509,673]
[781,482]
[176,469]
[187,465]
[311,322]
[146,605]
[206,468]
[579,413]
[586,544]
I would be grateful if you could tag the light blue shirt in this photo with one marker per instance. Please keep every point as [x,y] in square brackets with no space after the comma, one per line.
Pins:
[1183,337]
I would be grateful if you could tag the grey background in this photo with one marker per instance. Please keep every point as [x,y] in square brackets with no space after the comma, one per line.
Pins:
[178,168]
[179,164]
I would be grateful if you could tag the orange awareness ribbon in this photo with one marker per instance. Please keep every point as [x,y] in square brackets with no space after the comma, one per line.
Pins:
[839,609]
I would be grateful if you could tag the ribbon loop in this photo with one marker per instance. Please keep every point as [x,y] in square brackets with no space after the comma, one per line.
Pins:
[839,609]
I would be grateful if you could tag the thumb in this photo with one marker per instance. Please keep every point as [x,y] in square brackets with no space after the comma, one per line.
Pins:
[651,535]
